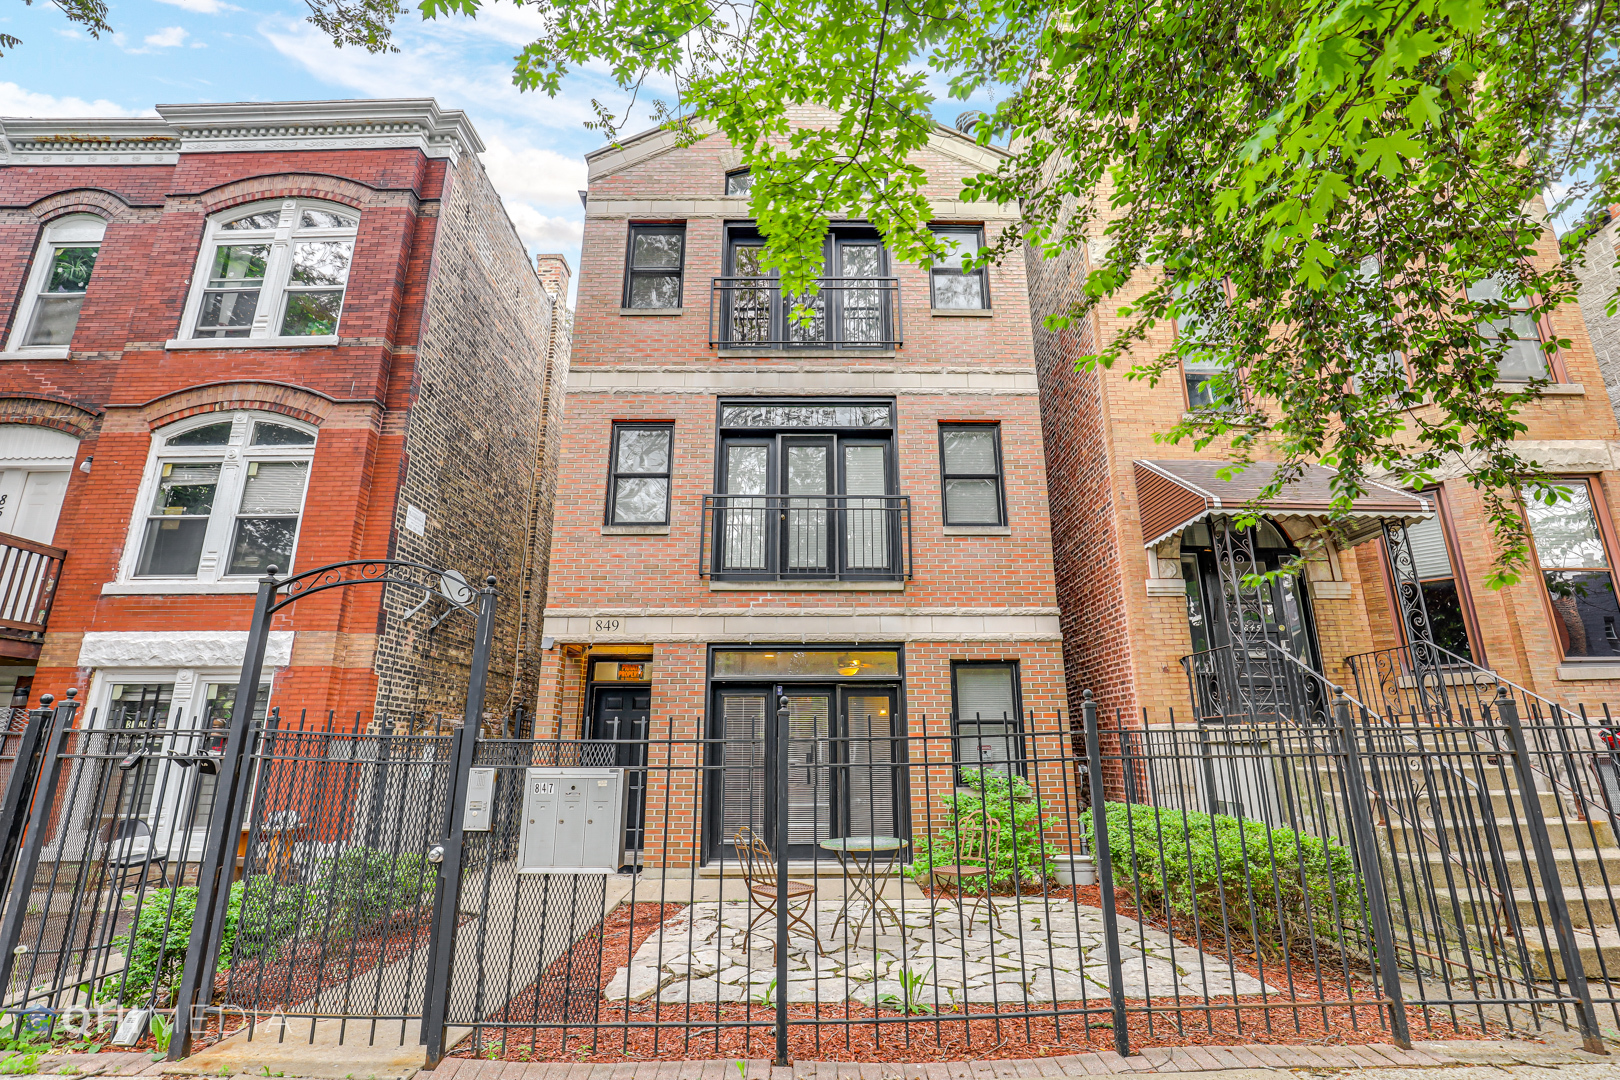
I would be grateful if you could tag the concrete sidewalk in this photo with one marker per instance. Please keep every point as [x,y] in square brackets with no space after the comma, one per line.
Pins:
[1456,1060]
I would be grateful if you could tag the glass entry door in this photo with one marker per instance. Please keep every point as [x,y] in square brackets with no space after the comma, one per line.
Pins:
[840,761]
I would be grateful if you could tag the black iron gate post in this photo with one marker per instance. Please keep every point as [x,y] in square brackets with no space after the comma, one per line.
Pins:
[1105,874]
[448,854]
[43,798]
[1371,865]
[1507,710]
[781,838]
[19,795]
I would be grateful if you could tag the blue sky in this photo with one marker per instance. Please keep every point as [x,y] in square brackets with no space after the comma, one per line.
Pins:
[178,51]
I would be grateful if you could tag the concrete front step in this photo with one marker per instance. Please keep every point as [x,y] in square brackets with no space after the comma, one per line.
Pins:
[1590,905]
[1600,954]
[1515,831]
[1575,867]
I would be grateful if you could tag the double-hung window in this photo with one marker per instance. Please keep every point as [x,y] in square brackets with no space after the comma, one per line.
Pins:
[273,271]
[223,497]
[653,270]
[1576,564]
[1203,364]
[1522,358]
[953,288]
[638,481]
[988,728]
[970,461]
[57,281]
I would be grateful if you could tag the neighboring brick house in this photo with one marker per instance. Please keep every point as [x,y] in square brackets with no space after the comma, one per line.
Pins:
[294,334]
[1146,578]
[854,509]
[1599,274]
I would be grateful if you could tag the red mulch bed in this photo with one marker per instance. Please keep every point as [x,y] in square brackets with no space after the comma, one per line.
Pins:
[1295,1015]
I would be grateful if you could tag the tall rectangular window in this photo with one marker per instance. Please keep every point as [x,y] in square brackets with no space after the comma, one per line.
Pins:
[954,288]
[638,482]
[1199,368]
[970,460]
[654,265]
[1573,554]
[1523,358]
[988,726]
[48,311]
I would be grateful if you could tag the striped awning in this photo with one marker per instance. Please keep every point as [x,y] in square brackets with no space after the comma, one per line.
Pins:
[1172,495]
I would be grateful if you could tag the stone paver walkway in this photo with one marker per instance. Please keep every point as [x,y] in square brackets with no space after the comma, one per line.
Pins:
[1038,952]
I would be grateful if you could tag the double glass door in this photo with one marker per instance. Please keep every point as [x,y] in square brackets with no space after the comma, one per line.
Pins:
[850,309]
[812,506]
[840,759]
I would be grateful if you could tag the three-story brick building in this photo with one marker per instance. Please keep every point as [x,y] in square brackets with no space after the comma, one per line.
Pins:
[851,510]
[246,335]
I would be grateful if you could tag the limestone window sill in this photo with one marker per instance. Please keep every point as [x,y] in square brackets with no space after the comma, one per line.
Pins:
[41,352]
[1568,389]
[652,311]
[977,530]
[179,588]
[635,530]
[806,586]
[806,354]
[252,343]
[1330,590]
[1166,587]
[1579,672]
[961,313]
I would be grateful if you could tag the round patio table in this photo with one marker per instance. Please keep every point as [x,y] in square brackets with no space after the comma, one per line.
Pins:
[863,854]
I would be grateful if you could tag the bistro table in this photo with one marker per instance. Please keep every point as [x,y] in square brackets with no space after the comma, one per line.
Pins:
[863,854]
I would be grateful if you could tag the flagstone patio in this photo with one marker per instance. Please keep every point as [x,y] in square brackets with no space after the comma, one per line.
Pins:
[1049,951]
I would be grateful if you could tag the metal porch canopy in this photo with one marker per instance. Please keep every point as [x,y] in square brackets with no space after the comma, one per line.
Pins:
[1172,495]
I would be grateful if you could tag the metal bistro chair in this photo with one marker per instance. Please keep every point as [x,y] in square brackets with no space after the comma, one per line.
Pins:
[759,872]
[128,846]
[978,839]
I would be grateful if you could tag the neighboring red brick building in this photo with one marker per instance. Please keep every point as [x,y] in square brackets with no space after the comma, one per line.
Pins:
[253,334]
[1141,571]
[854,510]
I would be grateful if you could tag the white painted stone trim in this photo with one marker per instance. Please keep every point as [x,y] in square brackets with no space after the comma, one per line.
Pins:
[178,649]
[821,380]
[805,626]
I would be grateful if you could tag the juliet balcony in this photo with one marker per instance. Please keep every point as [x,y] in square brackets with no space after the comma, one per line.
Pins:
[766,538]
[857,314]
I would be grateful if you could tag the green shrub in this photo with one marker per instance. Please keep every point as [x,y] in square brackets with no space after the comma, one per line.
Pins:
[362,887]
[1021,850]
[1261,883]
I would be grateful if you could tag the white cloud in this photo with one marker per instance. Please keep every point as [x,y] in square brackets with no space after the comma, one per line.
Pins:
[15,101]
[202,7]
[532,174]
[543,233]
[170,37]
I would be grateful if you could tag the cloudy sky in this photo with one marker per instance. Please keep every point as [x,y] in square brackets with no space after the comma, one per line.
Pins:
[175,51]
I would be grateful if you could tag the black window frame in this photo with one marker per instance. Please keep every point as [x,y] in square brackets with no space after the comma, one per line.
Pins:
[742,234]
[738,173]
[945,475]
[630,271]
[614,475]
[980,273]
[1014,725]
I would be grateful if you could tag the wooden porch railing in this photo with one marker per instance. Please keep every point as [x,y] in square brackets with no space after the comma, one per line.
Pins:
[28,574]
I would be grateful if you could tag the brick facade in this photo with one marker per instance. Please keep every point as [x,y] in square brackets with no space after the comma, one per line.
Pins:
[1125,634]
[642,595]
[434,397]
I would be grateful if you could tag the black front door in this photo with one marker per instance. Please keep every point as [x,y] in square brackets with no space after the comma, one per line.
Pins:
[840,761]
[619,718]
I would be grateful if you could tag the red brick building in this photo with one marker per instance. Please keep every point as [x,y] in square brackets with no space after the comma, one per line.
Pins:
[1146,581]
[246,335]
[852,509]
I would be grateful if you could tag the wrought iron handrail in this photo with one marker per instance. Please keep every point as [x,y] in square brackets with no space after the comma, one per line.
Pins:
[845,313]
[29,572]
[1432,687]
[805,537]
[1228,682]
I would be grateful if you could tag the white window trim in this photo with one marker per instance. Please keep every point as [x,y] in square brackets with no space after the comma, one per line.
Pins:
[211,576]
[74,230]
[273,297]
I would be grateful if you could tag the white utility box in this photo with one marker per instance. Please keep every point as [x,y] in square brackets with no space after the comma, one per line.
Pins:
[573,821]
[480,792]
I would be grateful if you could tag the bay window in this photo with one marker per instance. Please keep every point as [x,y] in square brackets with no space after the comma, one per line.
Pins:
[223,498]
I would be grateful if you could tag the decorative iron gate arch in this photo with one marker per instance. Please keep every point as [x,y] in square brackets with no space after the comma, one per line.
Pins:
[213,887]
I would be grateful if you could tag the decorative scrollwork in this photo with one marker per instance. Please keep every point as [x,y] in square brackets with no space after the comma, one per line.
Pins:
[447,585]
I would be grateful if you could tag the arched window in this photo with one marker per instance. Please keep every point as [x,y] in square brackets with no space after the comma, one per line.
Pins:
[273,271]
[222,498]
[57,279]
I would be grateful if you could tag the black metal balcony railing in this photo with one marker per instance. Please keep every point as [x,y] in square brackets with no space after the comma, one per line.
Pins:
[806,537]
[848,313]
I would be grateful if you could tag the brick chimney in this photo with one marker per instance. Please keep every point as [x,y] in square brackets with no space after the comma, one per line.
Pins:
[554,275]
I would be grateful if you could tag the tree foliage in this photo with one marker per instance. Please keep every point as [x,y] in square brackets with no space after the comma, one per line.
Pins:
[90,14]
[1310,187]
